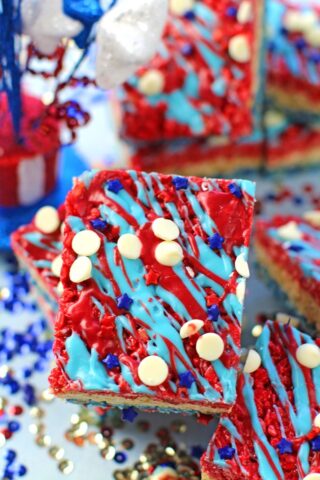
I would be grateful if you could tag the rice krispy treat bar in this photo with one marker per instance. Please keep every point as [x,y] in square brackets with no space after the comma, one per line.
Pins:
[273,431]
[293,63]
[205,77]
[288,247]
[154,276]
[38,247]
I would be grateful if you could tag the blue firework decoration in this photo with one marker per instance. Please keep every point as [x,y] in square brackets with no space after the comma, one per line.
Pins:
[10,25]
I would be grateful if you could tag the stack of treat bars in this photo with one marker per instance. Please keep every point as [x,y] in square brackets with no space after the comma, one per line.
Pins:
[143,274]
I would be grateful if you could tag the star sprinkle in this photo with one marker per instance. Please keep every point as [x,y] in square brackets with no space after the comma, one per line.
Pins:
[124,301]
[129,414]
[226,453]
[111,361]
[285,446]
[114,186]
[213,313]
[216,241]
[235,190]
[180,183]
[186,379]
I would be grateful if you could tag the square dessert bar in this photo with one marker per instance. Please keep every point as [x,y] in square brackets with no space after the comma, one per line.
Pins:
[288,248]
[205,77]
[273,431]
[293,63]
[154,270]
[38,247]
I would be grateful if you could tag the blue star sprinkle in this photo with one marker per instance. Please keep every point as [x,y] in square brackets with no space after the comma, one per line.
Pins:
[180,183]
[315,444]
[114,186]
[111,361]
[226,453]
[197,451]
[213,313]
[235,190]
[284,446]
[296,248]
[186,379]
[99,224]
[190,15]
[124,301]
[129,414]
[216,241]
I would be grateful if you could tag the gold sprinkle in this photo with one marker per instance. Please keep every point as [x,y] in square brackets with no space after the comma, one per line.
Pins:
[4,293]
[2,440]
[47,396]
[36,412]
[47,98]
[179,426]
[43,441]
[108,453]
[3,403]
[74,419]
[81,430]
[4,370]
[56,452]
[35,428]
[103,444]
[66,467]
[170,451]
[134,475]
[143,459]
[98,438]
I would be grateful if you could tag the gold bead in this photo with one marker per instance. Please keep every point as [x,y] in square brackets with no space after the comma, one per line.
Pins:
[66,467]
[56,452]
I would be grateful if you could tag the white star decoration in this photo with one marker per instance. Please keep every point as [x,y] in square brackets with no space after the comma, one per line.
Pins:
[127,35]
[46,24]
[127,38]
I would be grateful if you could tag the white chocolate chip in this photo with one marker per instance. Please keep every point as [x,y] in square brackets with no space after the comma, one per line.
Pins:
[129,246]
[153,371]
[313,217]
[312,476]
[313,37]
[56,266]
[273,118]
[165,229]
[295,21]
[47,219]
[151,83]
[60,288]
[308,355]
[290,231]
[190,328]
[169,253]
[86,243]
[316,421]
[253,362]
[245,12]
[80,270]
[180,7]
[284,319]
[239,49]
[241,291]
[256,331]
[241,265]
[210,346]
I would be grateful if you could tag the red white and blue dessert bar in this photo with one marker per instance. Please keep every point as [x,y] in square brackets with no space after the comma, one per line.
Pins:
[154,270]
[288,248]
[205,77]
[38,247]
[273,431]
[293,63]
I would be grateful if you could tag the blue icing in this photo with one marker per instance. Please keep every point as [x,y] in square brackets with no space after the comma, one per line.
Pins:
[265,469]
[232,429]
[36,238]
[43,264]
[219,87]
[86,367]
